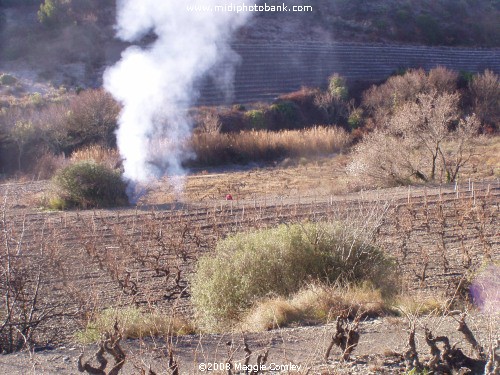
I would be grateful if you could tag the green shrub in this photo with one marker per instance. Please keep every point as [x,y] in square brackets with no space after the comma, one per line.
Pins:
[415,371]
[355,118]
[256,119]
[430,29]
[403,16]
[337,87]
[7,79]
[87,184]
[286,114]
[381,24]
[239,107]
[50,12]
[279,261]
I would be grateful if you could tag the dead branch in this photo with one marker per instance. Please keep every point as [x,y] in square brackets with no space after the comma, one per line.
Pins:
[346,336]
[439,361]
[493,365]
[247,351]
[469,336]
[411,355]
[110,345]
[261,359]
[229,360]
[172,362]
[446,360]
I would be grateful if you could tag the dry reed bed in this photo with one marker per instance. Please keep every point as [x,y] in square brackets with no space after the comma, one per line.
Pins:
[214,148]
[144,257]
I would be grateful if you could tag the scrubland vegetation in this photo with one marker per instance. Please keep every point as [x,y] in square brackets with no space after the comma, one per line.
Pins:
[434,122]
[278,262]
[259,265]
[88,184]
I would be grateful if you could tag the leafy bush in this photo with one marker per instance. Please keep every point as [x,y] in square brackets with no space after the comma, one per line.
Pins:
[337,87]
[249,266]
[7,79]
[87,184]
[430,29]
[257,119]
[50,12]
[305,99]
[355,118]
[286,115]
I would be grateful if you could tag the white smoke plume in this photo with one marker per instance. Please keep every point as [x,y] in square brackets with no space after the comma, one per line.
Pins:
[156,84]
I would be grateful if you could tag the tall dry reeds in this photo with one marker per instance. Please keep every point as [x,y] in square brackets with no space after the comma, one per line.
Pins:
[106,156]
[218,148]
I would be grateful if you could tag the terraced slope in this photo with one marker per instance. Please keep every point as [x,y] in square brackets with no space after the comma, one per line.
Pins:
[268,70]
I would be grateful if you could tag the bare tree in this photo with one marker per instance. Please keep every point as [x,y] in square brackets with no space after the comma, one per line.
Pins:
[426,125]
[413,144]
[466,140]
[381,102]
[22,134]
[27,262]
[485,91]
[374,160]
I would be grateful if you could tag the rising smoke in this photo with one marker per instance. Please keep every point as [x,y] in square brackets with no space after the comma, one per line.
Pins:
[156,84]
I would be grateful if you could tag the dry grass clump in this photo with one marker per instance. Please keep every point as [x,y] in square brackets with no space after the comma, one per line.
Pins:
[416,305]
[318,303]
[262,145]
[133,323]
[98,154]
[270,314]
[486,163]
[314,304]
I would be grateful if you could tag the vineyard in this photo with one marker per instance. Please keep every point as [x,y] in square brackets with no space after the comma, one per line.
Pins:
[80,262]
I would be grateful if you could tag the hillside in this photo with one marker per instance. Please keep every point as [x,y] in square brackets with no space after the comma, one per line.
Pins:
[73,44]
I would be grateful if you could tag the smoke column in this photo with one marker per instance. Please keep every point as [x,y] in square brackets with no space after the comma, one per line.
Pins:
[156,84]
